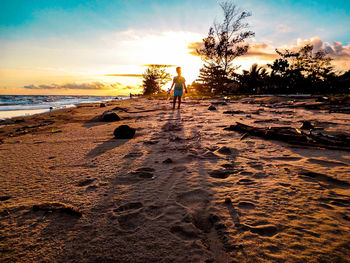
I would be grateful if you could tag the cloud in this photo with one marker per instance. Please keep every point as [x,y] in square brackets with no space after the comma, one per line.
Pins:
[266,52]
[74,86]
[334,49]
[192,47]
[159,65]
[261,51]
[125,75]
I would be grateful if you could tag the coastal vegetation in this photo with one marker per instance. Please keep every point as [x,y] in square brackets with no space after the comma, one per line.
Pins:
[303,71]
[154,78]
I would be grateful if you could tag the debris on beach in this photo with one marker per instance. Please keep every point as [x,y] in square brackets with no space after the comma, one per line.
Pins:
[296,136]
[55,131]
[102,105]
[124,132]
[110,116]
[307,125]
[212,107]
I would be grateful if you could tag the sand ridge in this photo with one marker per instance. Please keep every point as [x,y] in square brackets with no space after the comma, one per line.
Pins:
[160,197]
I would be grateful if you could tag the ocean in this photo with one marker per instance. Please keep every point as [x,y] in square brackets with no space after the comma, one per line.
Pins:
[22,105]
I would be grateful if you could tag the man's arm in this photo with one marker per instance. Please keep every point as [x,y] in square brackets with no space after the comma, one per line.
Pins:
[185,87]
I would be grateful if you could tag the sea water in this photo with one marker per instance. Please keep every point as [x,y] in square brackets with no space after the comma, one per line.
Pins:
[22,105]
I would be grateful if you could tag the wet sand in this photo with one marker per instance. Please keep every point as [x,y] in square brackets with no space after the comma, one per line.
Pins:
[182,190]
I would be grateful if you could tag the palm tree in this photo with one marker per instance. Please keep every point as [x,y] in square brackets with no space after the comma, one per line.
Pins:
[254,79]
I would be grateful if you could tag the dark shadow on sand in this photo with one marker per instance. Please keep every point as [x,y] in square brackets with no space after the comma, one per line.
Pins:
[95,121]
[106,146]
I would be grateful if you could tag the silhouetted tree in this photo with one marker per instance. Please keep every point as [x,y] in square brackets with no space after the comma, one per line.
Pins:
[154,78]
[301,71]
[253,79]
[213,78]
[224,43]
[200,88]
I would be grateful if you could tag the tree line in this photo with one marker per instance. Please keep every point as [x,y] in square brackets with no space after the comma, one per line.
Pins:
[301,71]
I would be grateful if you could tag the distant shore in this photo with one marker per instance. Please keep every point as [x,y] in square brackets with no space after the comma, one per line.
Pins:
[22,105]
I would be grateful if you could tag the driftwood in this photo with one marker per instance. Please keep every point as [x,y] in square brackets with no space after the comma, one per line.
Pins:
[295,136]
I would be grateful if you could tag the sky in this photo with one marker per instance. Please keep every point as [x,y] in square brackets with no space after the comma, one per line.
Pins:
[84,47]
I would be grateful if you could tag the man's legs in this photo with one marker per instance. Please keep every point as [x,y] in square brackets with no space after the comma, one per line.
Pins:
[179,98]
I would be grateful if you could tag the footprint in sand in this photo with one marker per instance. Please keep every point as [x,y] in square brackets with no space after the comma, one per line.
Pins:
[154,211]
[129,216]
[131,221]
[185,231]
[133,155]
[326,162]
[91,188]
[246,205]
[285,184]
[210,155]
[282,158]
[195,198]
[336,201]
[179,168]
[143,173]
[227,151]
[128,207]
[86,182]
[246,173]
[256,166]
[263,230]
[219,174]
[228,166]
[201,219]
[5,197]
[246,182]
[330,181]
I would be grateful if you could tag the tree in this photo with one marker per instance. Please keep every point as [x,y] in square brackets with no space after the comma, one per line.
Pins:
[303,70]
[224,43]
[213,78]
[254,79]
[154,78]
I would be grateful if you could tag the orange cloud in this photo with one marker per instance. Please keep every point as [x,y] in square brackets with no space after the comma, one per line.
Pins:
[266,52]
[74,86]
[193,46]
[334,49]
[261,52]
[125,75]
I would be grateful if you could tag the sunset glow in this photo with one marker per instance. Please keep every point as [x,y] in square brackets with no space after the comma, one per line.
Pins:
[69,44]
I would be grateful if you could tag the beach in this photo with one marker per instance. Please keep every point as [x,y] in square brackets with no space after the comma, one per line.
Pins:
[184,189]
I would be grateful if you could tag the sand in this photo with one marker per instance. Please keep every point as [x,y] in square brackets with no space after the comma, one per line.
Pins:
[182,190]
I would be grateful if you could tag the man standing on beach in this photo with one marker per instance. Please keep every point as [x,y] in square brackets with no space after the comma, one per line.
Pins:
[180,85]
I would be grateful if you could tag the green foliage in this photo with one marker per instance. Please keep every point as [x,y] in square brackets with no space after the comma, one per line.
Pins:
[154,78]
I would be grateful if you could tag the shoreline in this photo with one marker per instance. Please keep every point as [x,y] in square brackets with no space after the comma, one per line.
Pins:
[9,114]
[72,192]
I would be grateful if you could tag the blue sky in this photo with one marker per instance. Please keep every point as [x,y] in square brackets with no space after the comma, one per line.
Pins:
[64,37]
[40,18]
